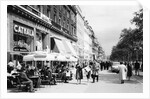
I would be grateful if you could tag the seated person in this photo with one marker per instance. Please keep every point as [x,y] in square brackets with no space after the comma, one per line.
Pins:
[24,77]
[10,78]
[65,75]
[47,74]
[29,71]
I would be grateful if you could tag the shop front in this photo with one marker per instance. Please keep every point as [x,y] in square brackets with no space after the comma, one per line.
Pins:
[22,40]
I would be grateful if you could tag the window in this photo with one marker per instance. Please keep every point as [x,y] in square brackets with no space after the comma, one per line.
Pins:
[72,30]
[64,10]
[22,43]
[73,17]
[38,8]
[60,7]
[68,14]
[63,23]
[48,11]
[67,25]
[59,20]
[54,17]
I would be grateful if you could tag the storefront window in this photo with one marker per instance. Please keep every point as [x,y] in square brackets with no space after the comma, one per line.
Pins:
[22,43]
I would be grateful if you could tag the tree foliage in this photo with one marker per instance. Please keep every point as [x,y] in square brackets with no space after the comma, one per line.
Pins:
[131,41]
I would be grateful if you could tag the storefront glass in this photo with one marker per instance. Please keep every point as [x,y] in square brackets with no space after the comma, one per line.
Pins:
[23,37]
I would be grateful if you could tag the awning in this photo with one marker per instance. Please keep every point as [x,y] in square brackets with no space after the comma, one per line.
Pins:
[60,46]
[71,58]
[36,56]
[69,48]
[55,57]
[45,57]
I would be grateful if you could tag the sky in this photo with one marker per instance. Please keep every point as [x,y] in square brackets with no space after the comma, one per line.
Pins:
[107,21]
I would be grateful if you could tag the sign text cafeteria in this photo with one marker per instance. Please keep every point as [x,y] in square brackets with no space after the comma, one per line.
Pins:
[23,30]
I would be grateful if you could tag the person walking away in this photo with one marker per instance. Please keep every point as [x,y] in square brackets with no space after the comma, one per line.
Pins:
[137,67]
[79,74]
[122,72]
[129,70]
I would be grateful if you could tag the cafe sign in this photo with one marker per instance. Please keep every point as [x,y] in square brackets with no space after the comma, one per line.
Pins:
[23,30]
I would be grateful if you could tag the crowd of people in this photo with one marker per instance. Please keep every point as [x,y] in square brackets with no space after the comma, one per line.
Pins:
[126,70]
[61,70]
[65,72]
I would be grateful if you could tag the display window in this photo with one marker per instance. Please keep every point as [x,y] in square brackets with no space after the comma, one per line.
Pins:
[22,43]
[23,37]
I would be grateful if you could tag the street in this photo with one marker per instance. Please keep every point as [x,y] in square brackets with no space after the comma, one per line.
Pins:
[108,83]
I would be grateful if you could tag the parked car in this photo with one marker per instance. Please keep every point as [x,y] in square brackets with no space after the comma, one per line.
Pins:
[115,67]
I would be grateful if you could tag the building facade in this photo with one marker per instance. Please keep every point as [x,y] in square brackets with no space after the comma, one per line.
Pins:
[87,42]
[80,33]
[54,28]
[38,28]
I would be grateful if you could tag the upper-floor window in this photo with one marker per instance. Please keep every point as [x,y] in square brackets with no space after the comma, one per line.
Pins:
[72,30]
[59,19]
[67,25]
[38,8]
[64,10]
[48,11]
[60,7]
[63,23]
[68,14]
[55,18]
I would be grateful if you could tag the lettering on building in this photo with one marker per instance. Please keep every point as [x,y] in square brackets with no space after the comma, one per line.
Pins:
[23,30]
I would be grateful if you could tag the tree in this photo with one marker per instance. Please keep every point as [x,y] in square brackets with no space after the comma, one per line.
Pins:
[131,41]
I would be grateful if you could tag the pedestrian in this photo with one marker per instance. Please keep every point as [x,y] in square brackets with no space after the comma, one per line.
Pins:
[142,67]
[95,71]
[122,72]
[107,65]
[137,67]
[87,72]
[101,65]
[129,70]
[79,74]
